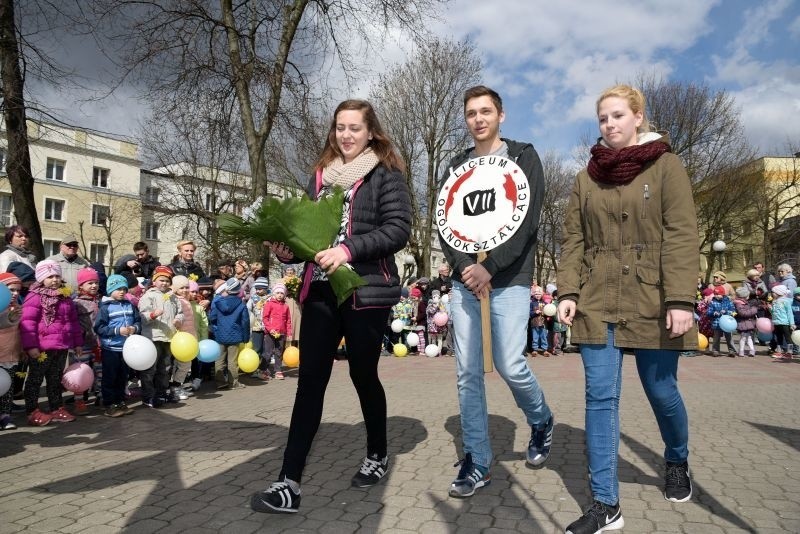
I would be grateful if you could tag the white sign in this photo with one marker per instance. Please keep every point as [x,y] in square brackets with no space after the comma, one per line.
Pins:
[482,204]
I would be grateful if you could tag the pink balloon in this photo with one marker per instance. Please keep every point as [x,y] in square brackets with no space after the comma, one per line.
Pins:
[78,378]
[764,325]
[440,318]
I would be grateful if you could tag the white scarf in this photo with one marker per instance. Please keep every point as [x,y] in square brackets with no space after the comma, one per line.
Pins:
[344,175]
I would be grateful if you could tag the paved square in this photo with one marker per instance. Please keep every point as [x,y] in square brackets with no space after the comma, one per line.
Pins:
[192,467]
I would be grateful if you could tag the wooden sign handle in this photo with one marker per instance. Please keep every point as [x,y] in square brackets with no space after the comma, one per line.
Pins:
[486,328]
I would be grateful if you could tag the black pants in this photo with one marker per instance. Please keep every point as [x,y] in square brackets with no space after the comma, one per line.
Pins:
[115,376]
[155,380]
[50,368]
[324,323]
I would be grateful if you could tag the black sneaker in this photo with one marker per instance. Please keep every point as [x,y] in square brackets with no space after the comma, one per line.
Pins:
[278,498]
[539,445]
[470,477]
[599,518]
[372,470]
[678,486]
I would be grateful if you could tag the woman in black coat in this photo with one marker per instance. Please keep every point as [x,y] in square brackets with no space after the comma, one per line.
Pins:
[376,222]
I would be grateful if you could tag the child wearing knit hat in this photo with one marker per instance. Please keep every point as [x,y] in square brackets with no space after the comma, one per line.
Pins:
[87,301]
[49,329]
[255,307]
[720,305]
[10,346]
[229,323]
[277,322]
[746,312]
[161,316]
[783,321]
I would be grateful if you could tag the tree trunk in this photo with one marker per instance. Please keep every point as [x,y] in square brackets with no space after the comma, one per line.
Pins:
[18,164]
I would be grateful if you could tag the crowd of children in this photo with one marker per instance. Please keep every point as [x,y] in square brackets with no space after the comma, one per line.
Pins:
[49,326]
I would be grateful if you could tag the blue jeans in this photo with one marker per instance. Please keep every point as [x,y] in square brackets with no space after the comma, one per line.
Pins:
[538,338]
[658,372]
[509,317]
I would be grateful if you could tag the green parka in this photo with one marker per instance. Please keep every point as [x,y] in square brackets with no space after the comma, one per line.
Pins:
[628,253]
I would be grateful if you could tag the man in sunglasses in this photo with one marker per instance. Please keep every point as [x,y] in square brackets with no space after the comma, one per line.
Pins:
[70,261]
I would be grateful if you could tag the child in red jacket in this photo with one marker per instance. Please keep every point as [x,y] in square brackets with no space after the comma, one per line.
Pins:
[277,326]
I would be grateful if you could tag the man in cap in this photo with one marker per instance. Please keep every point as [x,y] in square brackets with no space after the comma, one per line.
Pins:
[70,261]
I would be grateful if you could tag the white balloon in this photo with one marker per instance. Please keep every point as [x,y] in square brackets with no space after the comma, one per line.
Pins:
[397,326]
[412,339]
[445,298]
[5,381]
[139,352]
[796,337]
[431,351]
[549,309]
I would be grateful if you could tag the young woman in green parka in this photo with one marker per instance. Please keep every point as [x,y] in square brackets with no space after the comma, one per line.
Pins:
[627,275]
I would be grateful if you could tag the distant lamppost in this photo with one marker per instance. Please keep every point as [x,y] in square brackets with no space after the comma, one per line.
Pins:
[409,263]
[718,247]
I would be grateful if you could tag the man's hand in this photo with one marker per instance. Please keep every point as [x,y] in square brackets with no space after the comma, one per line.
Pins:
[477,279]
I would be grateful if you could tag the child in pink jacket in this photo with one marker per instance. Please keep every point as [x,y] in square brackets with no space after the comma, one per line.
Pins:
[277,326]
[48,330]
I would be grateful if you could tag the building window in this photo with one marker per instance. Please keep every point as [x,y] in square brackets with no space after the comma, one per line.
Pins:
[55,169]
[51,248]
[53,209]
[151,195]
[151,231]
[6,209]
[748,257]
[100,214]
[2,160]
[97,253]
[100,177]
[209,204]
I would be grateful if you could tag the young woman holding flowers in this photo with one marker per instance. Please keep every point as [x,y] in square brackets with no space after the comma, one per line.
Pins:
[376,218]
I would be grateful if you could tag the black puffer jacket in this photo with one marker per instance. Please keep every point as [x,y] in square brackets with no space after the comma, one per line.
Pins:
[380,223]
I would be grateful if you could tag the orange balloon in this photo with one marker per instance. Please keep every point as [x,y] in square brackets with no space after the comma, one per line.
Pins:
[702,341]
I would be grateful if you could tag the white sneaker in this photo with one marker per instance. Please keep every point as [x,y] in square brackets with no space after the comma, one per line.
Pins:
[196,384]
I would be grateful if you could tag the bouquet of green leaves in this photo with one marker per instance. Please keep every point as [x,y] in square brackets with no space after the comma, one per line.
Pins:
[303,225]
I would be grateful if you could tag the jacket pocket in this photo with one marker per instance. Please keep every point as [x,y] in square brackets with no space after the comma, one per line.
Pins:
[650,298]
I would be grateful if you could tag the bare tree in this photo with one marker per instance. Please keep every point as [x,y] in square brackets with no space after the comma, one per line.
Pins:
[18,163]
[420,104]
[558,180]
[113,216]
[249,52]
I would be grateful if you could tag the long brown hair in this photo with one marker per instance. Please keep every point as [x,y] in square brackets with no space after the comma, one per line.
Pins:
[380,142]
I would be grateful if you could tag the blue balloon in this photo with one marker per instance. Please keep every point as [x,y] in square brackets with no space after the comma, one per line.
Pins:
[5,297]
[727,323]
[209,351]
[764,337]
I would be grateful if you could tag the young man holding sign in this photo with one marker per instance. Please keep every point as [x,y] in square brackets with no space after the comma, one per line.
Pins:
[490,200]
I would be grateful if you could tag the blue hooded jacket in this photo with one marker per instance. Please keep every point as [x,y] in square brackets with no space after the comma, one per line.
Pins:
[229,320]
[113,315]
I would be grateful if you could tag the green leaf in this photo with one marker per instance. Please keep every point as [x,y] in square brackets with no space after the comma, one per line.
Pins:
[304,225]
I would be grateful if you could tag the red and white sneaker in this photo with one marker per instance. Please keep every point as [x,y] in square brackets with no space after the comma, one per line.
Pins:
[278,375]
[62,416]
[38,418]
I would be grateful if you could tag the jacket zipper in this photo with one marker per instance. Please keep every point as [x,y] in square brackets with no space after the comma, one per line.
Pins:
[645,199]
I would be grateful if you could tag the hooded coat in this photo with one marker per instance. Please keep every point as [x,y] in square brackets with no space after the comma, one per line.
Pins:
[229,320]
[630,252]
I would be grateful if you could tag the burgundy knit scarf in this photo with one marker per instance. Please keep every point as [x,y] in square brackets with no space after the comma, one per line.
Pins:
[618,167]
[49,301]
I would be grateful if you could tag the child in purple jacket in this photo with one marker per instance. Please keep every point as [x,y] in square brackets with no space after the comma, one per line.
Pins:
[48,330]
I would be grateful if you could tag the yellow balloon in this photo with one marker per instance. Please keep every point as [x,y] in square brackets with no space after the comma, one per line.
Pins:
[248,360]
[702,341]
[248,345]
[400,350]
[291,356]
[184,346]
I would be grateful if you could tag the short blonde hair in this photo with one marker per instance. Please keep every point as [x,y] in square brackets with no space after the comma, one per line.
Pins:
[635,100]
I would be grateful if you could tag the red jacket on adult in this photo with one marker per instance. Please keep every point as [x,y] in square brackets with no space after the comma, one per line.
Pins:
[276,317]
